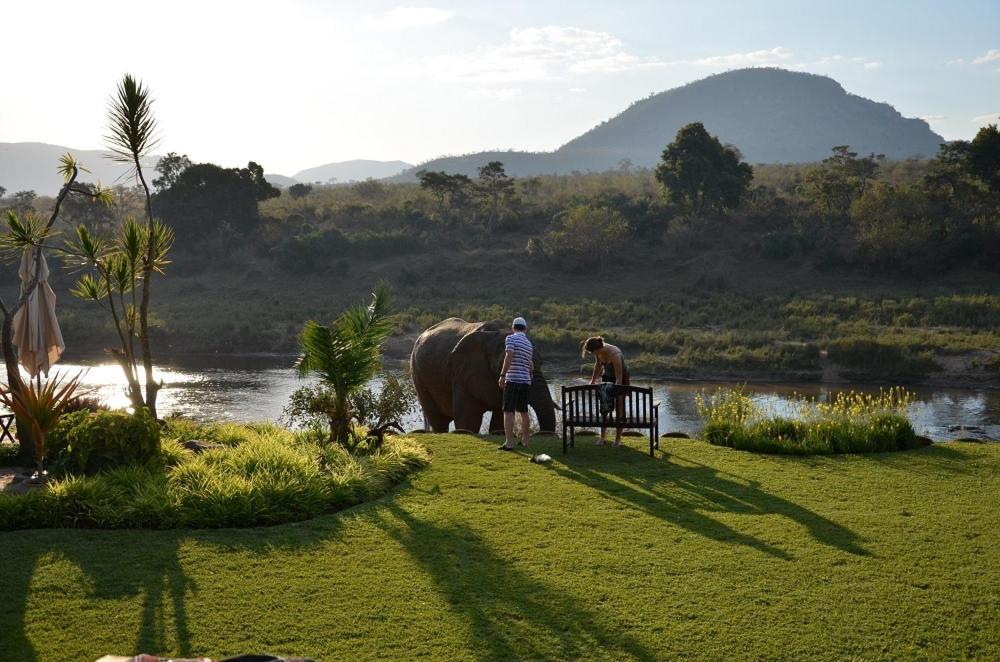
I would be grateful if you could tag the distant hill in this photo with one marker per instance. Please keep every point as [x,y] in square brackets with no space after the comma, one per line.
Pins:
[771,115]
[34,167]
[351,171]
[279,180]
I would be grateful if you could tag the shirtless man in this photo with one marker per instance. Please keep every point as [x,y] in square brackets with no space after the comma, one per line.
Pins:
[609,366]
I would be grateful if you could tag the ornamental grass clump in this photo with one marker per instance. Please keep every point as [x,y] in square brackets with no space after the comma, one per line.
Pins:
[261,474]
[850,422]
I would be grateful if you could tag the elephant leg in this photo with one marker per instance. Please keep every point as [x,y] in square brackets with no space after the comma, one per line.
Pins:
[437,421]
[467,412]
[496,421]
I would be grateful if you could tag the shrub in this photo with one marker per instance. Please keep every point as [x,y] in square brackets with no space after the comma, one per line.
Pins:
[584,237]
[87,442]
[272,476]
[866,359]
[850,423]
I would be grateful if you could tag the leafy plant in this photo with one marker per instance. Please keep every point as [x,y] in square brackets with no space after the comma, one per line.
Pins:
[346,355]
[86,442]
[850,423]
[40,408]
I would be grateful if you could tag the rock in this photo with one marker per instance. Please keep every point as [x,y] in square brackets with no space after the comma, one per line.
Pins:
[541,458]
[418,431]
[633,433]
[199,445]
[675,435]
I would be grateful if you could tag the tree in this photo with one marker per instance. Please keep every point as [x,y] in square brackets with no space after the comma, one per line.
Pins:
[701,172]
[25,232]
[170,168]
[206,197]
[132,135]
[984,157]
[24,201]
[841,179]
[584,237]
[85,210]
[346,355]
[495,186]
[450,191]
[299,190]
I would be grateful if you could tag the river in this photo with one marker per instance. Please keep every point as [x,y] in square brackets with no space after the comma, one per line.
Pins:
[254,388]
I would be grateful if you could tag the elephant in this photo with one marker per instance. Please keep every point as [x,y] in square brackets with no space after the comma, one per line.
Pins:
[455,365]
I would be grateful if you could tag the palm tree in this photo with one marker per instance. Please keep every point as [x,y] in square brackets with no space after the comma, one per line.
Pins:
[346,355]
[132,134]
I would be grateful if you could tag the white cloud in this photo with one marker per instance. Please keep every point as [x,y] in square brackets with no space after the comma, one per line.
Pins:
[872,65]
[577,90]
[933,118]
[545,53]
[750,59]
[488,94]
[988,118]
[956,61]
[991,55]
[404,18]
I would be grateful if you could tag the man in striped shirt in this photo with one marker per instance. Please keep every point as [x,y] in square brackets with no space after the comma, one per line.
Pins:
[515,380]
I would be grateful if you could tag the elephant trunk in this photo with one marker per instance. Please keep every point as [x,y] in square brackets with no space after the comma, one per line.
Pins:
[540,401]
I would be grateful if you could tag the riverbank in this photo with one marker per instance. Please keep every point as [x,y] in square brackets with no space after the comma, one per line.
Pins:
[603,554]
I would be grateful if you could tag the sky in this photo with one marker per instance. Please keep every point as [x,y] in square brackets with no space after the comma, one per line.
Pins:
[300,83]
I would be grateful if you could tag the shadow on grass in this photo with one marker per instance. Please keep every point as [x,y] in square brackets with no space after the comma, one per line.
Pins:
[510,614]
[114,568]
[683,492]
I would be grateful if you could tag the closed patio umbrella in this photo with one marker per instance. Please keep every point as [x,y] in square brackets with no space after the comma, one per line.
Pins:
[36,329]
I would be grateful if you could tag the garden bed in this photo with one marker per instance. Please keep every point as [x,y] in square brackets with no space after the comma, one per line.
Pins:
[260,474]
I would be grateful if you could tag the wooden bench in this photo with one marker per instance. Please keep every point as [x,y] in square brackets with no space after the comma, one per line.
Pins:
[581,408]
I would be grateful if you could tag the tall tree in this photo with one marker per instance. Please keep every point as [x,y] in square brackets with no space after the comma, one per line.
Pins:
[170,168]
[702,173]
[841,179]
[131,137]
[984,156]
[495,186]
[207,197]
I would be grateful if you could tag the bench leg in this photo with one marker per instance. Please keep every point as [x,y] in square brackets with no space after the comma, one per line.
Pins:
[652,441]
[564,437]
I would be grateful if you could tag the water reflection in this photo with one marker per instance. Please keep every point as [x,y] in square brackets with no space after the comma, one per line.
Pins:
[253,388]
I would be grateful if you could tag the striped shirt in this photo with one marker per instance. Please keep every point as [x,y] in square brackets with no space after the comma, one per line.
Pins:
[519,370]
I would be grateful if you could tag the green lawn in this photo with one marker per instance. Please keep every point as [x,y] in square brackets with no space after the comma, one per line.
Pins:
[703,552]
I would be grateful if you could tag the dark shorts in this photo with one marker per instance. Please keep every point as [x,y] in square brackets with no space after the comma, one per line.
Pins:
[515,396]
[609,374]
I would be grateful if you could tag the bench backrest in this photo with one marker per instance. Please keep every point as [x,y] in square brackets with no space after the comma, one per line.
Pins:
[582,404]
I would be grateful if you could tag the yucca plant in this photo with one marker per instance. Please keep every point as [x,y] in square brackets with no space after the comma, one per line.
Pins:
[345,355]
[40,408]
[120,269]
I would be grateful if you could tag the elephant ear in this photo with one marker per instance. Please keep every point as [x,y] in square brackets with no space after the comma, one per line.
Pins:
[477,351]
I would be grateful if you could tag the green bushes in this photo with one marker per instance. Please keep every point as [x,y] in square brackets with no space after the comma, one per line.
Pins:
[267,475]
[850,423]
[87,442]
[875,360]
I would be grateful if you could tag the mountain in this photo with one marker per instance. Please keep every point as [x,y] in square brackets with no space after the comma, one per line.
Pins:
[34,167]
[771,115]
[351,171]
[279,180]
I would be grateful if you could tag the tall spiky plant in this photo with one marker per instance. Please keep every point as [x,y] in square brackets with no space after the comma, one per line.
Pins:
[132,135]
[40,408]
[346,355]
